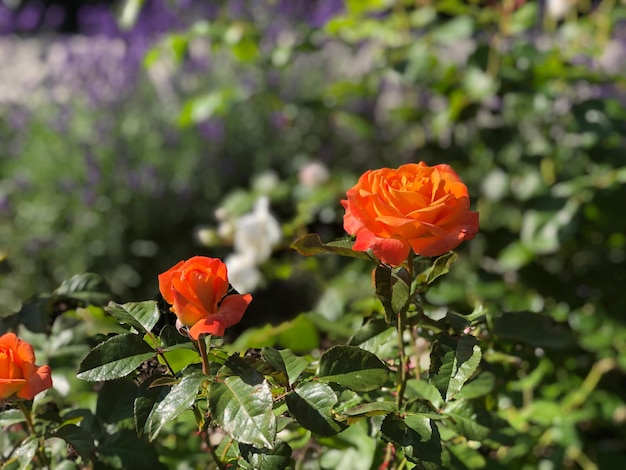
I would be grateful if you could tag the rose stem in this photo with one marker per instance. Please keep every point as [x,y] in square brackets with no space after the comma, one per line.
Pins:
[41,452]
[203,355]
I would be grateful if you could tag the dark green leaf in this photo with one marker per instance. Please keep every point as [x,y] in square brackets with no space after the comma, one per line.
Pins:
[125,450]
[422,407]
[115,358]
[88,287]
[147,398]
[80,439]
[242,406]
[534,329]
[277,458]
[179,399]
[453,362]
[171,338]
[115,401]
[311,405]
[311,244]
[140,315]
[352,367]
[419,438]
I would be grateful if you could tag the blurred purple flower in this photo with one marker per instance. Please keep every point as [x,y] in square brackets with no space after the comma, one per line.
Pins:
[29,17]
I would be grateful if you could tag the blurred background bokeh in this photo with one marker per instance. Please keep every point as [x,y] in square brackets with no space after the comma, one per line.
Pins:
[134,134]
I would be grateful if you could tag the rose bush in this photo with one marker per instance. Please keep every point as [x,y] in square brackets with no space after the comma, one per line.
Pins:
[426,209]
[196,289]
[19,375]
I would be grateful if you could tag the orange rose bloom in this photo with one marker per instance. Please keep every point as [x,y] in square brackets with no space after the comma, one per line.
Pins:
[18,373]
[414,207]
[197,289]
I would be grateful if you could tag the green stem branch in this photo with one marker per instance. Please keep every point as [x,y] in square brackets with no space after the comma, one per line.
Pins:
[206,369]
[41,451]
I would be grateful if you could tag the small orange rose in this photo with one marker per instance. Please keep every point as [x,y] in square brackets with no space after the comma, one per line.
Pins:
[196,289]
[18,373]
[417,207]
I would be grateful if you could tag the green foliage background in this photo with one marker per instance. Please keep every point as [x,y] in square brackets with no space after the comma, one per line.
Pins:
[527,108]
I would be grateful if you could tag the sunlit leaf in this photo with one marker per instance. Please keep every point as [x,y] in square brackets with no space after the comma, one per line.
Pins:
[115,358]
[9,417]
[179,399]
[23,456]
[140,315]
[242,406]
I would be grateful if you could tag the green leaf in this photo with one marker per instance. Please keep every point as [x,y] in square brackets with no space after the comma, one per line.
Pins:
[440,266]
[453,362]
[80,439]
[311,244]
[115,358]
[372,328]
[371,409]
[464,419]
[124,450]
[115,401]
[277,458]
[352,367]
[392,289]
[23,455]
[478,386]
[9,417]
[311,405]
[140,315]
[423,389]
[88,287]
[533,329]
[179,399]
[242,407]
[147,398]
[285,361]
[419,438]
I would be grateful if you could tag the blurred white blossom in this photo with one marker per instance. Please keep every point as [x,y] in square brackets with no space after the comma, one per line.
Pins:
[243,274]
[557,9]
[313,174]
[257,233]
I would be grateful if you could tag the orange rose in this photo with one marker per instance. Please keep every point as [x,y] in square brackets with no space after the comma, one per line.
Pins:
[197,289]
[18,373]
[414,207]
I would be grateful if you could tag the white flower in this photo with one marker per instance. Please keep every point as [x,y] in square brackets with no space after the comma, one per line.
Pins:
[257,233]
[242,272]
[557,9]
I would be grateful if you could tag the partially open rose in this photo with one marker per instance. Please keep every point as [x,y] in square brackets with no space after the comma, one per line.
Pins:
[426,209]
[197,289]
[19,375]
